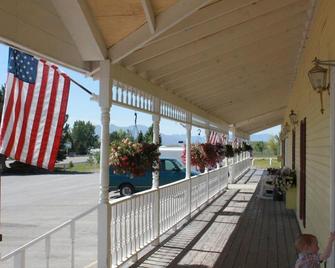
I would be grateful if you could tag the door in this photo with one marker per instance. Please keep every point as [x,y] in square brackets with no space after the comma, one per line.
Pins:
[302,208]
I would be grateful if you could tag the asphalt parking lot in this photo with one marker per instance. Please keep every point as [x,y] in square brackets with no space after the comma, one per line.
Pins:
[32,205]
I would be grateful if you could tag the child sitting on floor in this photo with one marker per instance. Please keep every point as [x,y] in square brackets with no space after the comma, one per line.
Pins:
[307,246]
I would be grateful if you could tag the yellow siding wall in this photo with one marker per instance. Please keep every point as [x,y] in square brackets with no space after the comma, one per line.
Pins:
[304,101]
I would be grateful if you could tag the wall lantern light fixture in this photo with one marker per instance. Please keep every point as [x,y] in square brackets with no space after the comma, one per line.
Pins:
[293,118]
[318,77]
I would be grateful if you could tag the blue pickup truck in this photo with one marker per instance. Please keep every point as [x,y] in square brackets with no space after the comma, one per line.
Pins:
[171,170]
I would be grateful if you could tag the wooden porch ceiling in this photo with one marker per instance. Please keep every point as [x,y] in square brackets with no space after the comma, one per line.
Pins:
[234,59]
[228,61]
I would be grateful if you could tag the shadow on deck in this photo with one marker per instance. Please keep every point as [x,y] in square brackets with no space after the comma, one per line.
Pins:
[236,230]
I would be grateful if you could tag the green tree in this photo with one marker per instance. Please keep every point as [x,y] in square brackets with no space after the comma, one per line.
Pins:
[140,137]
[119,135]
[66,138]
[273,144]
[259,146]
[83,137]
[149,135]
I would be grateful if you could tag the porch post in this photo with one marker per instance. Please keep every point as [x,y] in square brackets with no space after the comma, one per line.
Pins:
[188,127]
[155,174]
[332,159]
[207,133]
[104,213]
[156,120]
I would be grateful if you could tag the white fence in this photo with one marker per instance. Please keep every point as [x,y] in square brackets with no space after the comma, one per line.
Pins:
[142,218]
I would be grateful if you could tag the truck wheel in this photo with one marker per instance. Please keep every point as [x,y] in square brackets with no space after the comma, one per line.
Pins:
[126,189]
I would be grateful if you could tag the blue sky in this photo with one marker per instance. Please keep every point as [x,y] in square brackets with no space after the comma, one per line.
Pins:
[80,107]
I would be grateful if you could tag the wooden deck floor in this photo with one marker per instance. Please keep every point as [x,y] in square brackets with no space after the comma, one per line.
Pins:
[235,230]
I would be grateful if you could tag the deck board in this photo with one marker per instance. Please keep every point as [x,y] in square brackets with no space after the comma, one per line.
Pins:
[236,230]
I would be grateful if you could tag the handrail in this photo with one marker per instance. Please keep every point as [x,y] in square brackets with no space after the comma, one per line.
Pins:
[61,226]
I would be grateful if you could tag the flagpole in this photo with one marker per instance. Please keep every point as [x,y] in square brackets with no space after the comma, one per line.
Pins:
[81,86]
[72,80]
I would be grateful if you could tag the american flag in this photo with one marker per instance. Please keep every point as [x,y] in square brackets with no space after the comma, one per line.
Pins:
[35,104]
[215,138]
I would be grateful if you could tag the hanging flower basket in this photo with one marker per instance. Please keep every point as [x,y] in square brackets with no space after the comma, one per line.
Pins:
[220,152]
[246,147]
[238,150]
[133,158]
[229,152]
[202,156]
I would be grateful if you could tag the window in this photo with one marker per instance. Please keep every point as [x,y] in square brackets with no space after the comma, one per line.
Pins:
[169,165]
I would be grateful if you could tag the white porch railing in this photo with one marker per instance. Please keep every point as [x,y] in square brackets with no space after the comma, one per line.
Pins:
[133,218]
[139,219]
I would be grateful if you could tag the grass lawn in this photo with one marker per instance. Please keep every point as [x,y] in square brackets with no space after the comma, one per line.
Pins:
[265,163]
[80,167]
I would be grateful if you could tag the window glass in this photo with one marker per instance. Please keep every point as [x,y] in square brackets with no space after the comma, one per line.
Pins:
[169,165]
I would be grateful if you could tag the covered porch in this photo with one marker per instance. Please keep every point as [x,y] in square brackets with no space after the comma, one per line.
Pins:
[227,66]
[236,229]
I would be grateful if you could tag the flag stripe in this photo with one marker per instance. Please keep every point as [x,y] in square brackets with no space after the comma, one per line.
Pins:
[54,119]
[27,107]
[16,119]
[60,122]
[18,128]
[37,114]
[12,102]
[32,113]
[43,117]
[7,114]
[48,120]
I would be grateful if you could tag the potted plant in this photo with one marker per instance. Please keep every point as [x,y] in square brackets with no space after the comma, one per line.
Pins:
[229,152]
[202,156]
[133,157]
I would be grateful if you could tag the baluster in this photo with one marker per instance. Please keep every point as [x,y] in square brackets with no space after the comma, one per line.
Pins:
[20,259]
[118,233]
[125,227]
[73,237]
[47,251]
[145,238]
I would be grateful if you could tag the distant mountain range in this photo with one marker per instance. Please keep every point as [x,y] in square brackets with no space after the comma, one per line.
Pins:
[173,139]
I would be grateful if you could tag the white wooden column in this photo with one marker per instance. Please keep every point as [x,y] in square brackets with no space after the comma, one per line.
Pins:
[332,160]
[155,174]
[104,212]
[155,121]
[207,133]
[188,127]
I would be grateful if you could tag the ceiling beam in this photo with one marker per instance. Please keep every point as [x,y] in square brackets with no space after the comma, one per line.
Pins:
[258,117]
[264,70]
[225,41]
[266,125]
[218,96]
[39,31]
[123,75]
[209,28]
[164,21]
[228,52]
[202,16]
[80,23]
[149,15]
[255,61]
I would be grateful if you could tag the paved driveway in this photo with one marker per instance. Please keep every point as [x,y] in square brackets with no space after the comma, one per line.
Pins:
[32,205]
